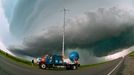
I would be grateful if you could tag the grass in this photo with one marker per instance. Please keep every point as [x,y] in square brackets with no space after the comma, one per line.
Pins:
[16,59]
[131,54]
[90,65]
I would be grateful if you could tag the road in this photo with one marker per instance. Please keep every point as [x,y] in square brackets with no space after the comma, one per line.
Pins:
[128,67]
[9,67]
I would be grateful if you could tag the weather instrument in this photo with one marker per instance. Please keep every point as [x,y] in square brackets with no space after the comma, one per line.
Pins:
[59,61]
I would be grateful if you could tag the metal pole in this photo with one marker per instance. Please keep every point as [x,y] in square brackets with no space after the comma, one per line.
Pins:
[63,40]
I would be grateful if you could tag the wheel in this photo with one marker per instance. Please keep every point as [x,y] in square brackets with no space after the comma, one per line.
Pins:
[74,67]
[68,68]
[43,66]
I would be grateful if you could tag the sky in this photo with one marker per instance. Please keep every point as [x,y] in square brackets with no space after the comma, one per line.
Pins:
[96,27]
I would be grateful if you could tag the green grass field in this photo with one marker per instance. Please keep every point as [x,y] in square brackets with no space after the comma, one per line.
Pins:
[131,54]
[15,58]
[90,65]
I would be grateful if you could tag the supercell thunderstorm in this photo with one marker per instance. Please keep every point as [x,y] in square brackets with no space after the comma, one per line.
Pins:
[99,32]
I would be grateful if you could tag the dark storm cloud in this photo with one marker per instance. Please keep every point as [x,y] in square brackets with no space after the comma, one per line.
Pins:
[18,22]
[29,15]
[101,31]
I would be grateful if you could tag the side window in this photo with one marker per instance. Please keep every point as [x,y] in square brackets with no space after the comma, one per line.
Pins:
[50,58]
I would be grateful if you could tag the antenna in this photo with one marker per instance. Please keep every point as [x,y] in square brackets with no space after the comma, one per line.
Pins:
[63,37]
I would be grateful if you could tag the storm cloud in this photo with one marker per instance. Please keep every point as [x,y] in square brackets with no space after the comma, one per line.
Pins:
[101,31]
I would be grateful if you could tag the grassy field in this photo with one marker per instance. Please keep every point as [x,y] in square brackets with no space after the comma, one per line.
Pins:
[131,54]
[90,65]
[15,58]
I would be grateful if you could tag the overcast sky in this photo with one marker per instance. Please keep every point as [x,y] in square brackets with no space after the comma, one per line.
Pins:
[34,27]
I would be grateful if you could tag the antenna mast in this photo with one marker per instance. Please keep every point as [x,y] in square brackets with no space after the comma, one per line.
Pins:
[63,40]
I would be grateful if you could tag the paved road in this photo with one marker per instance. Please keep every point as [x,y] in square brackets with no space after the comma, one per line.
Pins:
[9,67]
[128,67]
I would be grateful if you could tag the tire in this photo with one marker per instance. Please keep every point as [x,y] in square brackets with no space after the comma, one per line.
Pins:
[43,66]
[74,67]
[68,67]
